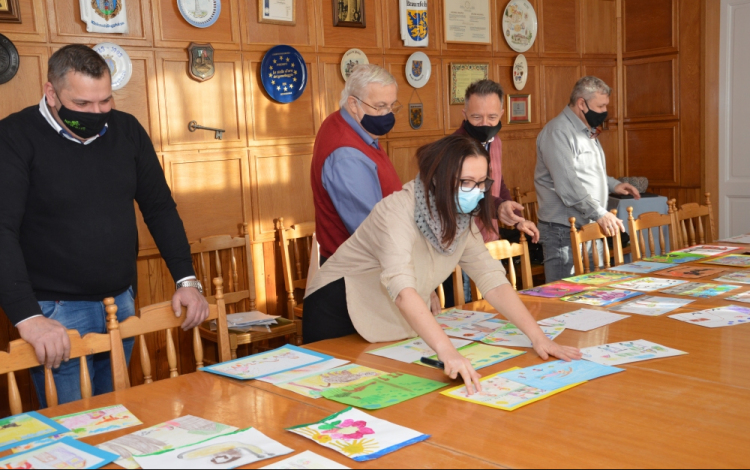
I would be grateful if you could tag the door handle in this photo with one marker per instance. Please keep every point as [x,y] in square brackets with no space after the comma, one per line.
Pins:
[193,125]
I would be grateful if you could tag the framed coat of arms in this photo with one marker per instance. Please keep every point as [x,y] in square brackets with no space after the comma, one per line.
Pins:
[201,63]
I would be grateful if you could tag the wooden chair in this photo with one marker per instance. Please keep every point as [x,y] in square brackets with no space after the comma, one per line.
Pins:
[530,212]
[21,356]
[591,233]
[211,255]
[689,223]
[646,222]
[296,240]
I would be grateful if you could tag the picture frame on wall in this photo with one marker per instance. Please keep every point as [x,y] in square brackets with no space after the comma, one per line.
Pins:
[10,12]
[467,21]
[349,13]
[519,109]
[462,75]
[281,12]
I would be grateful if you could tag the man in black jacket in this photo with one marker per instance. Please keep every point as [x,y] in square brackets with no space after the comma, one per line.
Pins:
[70,169]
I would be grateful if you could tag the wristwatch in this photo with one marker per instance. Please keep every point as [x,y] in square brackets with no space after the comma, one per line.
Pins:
[191,283]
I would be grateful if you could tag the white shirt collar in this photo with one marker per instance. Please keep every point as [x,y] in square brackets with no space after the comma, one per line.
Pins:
[59,129]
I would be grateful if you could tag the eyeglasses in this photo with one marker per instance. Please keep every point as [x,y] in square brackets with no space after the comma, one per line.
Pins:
[382,110]
[469,185]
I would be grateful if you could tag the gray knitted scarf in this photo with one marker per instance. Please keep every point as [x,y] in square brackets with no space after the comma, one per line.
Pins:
[428,220]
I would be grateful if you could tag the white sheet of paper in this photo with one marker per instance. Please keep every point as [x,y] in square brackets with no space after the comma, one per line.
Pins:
[708,250]
[648,284]
[229,451]
[626,352]
[652,306]
[305,460]
[716,317]
[745,239]
[413,350]
[585,319]
[303,372]
[250,318]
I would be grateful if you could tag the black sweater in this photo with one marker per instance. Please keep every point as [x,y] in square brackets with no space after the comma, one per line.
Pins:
[67,219]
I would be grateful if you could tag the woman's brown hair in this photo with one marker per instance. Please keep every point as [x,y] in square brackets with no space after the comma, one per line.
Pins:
[440,165]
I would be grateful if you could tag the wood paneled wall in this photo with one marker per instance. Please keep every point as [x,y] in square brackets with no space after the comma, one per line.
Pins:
[650,51]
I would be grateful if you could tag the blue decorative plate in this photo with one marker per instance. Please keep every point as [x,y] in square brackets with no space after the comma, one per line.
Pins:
[200,13]
[284,73]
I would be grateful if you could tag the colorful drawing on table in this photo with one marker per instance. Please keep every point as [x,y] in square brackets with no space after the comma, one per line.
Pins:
[511,335]
[475,331]
[693,272]
[708,250]
[741,297]
[98,421]
[741,277]
[64,453]
[716,317]
[26,428]
[501,393]
[359,436]
[554,290]
[642,267]
[584,319]
[702,290]
[233,450]
[738,261]
[482,355]
[649,284]
[558,374]
[599,278]
[260,365]
[314,384]
[183,431]
[383,391]
[626,352]
[305,460]
[652,306]
[412,350]
[602,297]
[303,372]
[454,318]
[675,257]
[742,239]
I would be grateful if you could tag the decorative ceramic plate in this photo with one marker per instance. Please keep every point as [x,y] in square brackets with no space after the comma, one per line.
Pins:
[352,58]
[120,66]
[520,72]
[519,25]
[200,13]
[284,73]
[9,60]
[418,69]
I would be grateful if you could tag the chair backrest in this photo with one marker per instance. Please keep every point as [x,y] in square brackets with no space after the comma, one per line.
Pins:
[296,244]
[21,356]
[161,317]
[530,204]
[591,233]
[694,224]
[646,222]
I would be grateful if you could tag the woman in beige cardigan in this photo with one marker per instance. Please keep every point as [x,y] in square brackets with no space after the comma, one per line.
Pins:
[378,283]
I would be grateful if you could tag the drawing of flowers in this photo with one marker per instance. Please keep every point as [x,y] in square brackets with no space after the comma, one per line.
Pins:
[348,429]
[364,446]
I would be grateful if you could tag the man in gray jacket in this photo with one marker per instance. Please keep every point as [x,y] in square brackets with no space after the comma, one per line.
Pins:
[571,176]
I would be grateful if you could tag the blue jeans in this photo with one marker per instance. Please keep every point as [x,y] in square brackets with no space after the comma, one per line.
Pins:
[86,317]
[558,255]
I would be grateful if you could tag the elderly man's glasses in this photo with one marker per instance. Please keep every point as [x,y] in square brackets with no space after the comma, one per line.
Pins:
[469,185]
[385,109]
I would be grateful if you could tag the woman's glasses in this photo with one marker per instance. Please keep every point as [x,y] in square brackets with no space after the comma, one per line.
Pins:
[469,185]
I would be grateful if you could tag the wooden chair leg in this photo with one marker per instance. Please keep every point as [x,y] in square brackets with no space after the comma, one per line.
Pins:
[85,378]
[50,390]
[16,406]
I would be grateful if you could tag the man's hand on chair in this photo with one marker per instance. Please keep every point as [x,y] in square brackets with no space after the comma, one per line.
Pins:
[197,307]
[49,339]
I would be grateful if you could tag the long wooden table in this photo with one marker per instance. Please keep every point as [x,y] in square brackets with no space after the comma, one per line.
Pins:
[689,411]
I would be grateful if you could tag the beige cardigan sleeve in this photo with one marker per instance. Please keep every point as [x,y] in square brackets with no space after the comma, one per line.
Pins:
[486,272]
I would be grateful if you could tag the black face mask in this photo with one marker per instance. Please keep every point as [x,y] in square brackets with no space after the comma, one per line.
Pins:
[593,118]
[84,125]
[482,133]
[378,125]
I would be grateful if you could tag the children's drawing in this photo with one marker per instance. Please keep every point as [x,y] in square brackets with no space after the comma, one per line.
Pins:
[482,355]
[476,331]
[412,350]
[185,430]
[303,372]
[92,422]
[26,428]
[312,385]
[559,374]
[510,335]
[708,250]
[383,391]
[232,450]
[649,284]
[454,318]
[741,277]
[741,297]
[740,261]
[260,365]
[359,436]
[693,272]
[642,267]
[602,297]
[697,289]
[305,460]
[499,392]
[615,354]
[652,306]
[716,317]
[64,453]
[599,278]
[676,257]
[584,319]
[554,290]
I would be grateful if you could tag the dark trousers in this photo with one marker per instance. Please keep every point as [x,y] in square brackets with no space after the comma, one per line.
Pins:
[326,315]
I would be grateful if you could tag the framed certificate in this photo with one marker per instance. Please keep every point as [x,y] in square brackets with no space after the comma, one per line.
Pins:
[283,12]
[349,13]
[463,75]
[10,12]
[467,21]
[519,109]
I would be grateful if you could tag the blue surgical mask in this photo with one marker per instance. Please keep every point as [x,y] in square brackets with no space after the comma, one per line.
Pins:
[468,201]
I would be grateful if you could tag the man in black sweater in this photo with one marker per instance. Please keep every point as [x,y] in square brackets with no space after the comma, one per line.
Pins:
[70,169]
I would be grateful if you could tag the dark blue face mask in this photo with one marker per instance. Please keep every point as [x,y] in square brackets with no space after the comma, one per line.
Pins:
[378,125]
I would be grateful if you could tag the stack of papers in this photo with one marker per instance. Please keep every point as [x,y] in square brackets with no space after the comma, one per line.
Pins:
[247,320]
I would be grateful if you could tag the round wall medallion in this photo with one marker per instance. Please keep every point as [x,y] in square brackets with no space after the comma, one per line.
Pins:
[9,60]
